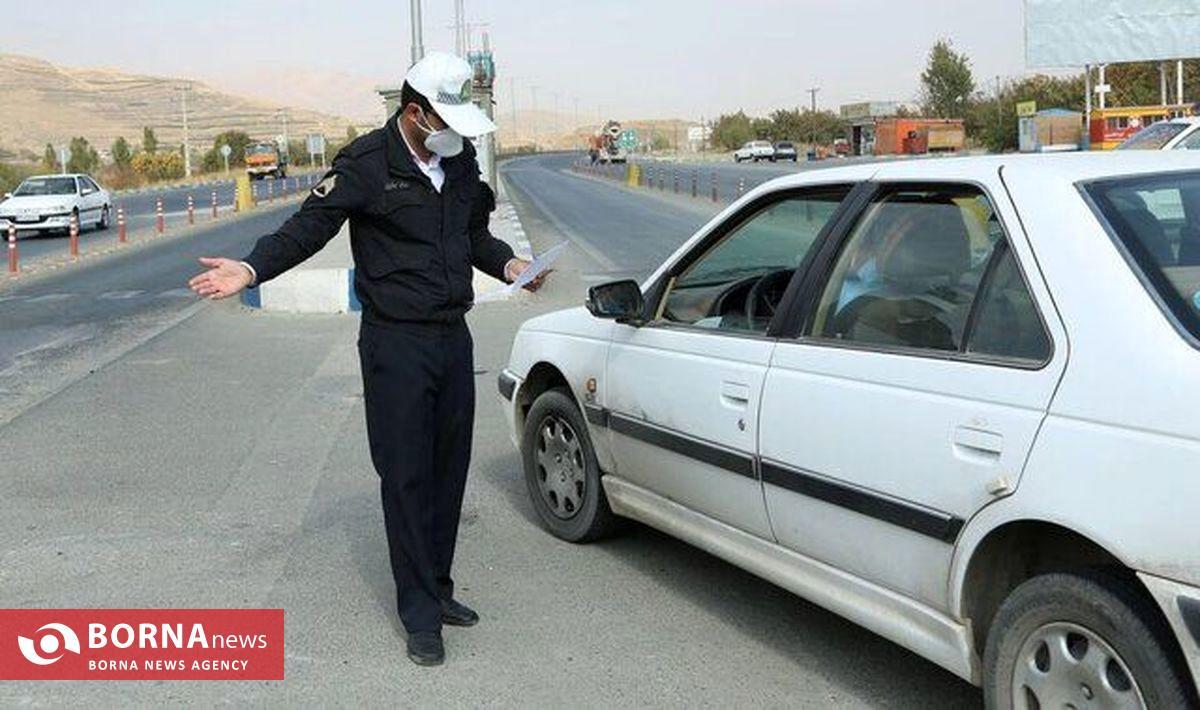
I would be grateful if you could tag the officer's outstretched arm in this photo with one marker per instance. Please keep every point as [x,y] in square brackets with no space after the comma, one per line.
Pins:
[340,192]
[488,254]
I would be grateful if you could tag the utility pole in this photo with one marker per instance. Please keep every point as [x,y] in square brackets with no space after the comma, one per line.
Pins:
[812,94]
[999,110]
[418,46]
[460,43]
[533,116]
[187,148]
[575,124]
[554,127]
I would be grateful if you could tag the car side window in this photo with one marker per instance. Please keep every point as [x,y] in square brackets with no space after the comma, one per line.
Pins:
[912,270]
[1192,142]
[90,185]
[1006,322]
[737,283]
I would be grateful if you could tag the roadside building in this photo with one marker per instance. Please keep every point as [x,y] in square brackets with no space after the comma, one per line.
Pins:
[889,128]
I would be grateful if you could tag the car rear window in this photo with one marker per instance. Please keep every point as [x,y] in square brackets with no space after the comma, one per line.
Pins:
[1153,137]
[1157,220]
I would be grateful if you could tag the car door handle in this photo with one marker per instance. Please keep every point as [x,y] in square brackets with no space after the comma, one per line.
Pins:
[978,443]
[735,394]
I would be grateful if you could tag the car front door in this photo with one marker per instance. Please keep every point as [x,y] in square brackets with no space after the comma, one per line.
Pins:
[90,201]
[922,367]
[684,390]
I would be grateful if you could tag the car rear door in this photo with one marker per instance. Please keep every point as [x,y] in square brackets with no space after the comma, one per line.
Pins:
[918,374]
[684,390]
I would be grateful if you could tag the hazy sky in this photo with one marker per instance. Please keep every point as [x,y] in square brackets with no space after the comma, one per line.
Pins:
[634,58]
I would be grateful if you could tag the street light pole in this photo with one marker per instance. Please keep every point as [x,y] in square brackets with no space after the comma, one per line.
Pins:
[187,148]
[418,46]
[812,93]
[533,116]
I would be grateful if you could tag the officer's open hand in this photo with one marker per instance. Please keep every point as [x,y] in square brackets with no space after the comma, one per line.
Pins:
[516,265]
[224,278]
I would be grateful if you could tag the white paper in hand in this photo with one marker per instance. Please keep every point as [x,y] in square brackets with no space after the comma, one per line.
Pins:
[540,263]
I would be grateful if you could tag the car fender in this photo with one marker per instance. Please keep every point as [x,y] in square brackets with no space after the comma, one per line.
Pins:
[575,343]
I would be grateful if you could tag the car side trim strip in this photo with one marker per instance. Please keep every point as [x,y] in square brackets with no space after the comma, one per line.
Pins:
[925,521]
[910,516]
[728,459]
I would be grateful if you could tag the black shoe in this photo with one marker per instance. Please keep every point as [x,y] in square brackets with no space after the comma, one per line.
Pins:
[457,614]
[425,648]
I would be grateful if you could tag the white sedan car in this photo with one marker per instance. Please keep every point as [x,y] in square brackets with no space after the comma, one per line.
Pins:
[954,401]
[48,202]
[756,151]
[1171,134]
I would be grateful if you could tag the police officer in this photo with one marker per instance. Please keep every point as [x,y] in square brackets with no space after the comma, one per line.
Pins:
[418,224]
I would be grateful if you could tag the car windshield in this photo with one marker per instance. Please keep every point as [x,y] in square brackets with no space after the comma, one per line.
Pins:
[46,186]
[1153,137]
[1157,219]
[783,145]
[261,149]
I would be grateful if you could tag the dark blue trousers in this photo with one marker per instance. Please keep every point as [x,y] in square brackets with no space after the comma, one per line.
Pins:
[419,391]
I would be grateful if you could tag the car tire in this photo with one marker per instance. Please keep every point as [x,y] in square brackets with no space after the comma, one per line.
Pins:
[103,223]
[1050,624]
[561,471]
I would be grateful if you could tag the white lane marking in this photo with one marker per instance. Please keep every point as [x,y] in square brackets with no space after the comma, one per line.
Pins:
[50,297]
[120,295]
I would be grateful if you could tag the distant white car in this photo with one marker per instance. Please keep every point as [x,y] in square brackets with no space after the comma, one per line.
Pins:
[953,401]
[48,202]
[1172,134]
[754,150]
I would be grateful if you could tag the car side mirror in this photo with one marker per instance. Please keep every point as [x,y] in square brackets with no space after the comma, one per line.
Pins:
[618,300]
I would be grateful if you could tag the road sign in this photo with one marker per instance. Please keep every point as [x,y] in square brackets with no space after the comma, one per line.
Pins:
[1026,108]
[316,144]
[226,150]
[628,139]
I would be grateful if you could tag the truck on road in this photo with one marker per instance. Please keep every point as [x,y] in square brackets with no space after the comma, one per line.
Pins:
[266,158]
[606,145]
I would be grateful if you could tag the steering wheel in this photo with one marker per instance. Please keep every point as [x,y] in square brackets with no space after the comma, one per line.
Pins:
[766,293]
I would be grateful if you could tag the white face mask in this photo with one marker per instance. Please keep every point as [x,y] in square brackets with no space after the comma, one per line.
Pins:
[447,142]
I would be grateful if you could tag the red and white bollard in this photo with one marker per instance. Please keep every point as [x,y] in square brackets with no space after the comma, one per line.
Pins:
[741,186]
[121,224]
[13,267]
[74,236]
[714,185]
[214,204]
[191,210]
[270,191]
[160,222]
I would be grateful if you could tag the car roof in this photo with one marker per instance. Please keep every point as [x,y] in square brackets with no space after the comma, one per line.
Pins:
[1065,167]
[56,175]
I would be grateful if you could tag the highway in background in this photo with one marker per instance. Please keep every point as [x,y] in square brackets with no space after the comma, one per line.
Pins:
[140,208]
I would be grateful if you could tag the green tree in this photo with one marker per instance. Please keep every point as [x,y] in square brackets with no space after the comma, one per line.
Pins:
[992,120]
[237,141]
[149,140]
[84,158]
[121,152]
[50,157]
[946,83]
[806,126]
[732,130]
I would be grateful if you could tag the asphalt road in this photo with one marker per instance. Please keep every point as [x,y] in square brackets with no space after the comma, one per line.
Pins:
[219,460]
[140,209]
[54,325]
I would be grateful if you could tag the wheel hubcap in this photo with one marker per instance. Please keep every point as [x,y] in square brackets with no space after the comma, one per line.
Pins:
[560,468]
[1065,665]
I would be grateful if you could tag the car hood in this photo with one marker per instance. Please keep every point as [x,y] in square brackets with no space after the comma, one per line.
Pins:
[37,202]
[569,321]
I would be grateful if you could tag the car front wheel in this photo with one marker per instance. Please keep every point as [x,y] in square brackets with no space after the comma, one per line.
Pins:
[1088,640]
[561,471]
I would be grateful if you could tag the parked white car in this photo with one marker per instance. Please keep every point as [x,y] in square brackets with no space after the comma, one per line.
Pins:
[954,401]
[48,202]
[1172,134]
[754,150]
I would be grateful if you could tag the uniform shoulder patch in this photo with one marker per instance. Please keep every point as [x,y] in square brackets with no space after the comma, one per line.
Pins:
[326,186]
